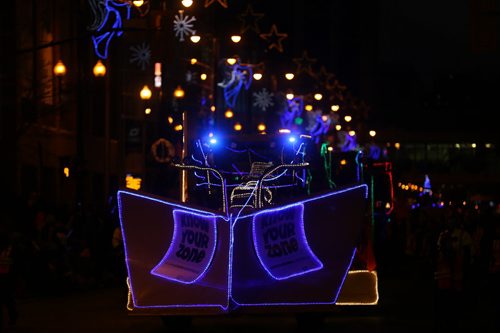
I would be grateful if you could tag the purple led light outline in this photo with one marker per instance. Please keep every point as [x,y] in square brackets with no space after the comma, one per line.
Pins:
[180,206]
[304,303]
[345,275]
[314,198]
[292,303]
[230,266]
[232,221]
[134,299]
[173,241]
[302,235]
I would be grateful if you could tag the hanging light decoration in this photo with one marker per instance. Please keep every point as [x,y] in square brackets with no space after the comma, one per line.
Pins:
[145,93]
[99,69]
[59,69]
[178,92]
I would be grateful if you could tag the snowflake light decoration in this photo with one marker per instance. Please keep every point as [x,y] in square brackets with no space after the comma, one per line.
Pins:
[141,54]
[263,99]
[183,25]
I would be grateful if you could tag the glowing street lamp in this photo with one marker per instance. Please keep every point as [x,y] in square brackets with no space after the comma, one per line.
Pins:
[236,38]
[257,76]
[99,69]
[178,92]
[145,93]
[59,69]
[195,38]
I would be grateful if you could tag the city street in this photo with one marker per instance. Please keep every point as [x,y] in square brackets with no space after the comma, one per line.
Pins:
[238,163]
[406,305]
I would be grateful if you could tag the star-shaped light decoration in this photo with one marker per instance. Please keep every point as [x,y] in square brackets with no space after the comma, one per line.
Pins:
[223,3]
[325,78]
[274,38]
[250,20]
[304,64]
[337,89]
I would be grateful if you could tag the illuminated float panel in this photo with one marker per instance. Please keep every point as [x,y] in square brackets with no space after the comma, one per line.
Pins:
[149,233]
[187,260]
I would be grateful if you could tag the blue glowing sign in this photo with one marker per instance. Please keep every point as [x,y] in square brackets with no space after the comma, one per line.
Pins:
[191,250]
[280,243]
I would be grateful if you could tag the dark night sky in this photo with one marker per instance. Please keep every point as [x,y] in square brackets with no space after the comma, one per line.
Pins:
[421,60]
[451,49]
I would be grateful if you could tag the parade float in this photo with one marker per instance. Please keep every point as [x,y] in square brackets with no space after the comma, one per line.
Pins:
[254,235]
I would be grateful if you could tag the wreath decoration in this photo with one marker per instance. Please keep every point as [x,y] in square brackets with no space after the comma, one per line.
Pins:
[163,150]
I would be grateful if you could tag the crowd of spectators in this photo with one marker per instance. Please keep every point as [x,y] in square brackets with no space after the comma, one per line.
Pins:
[456,246]
[62,249]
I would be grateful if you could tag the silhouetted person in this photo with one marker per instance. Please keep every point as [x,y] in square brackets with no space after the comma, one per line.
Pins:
[7,281]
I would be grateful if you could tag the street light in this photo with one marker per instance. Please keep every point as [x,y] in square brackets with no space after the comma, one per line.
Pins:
[99,69]
[236,38]
[59,69]
[195,38]
[178,92]
[145,93]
